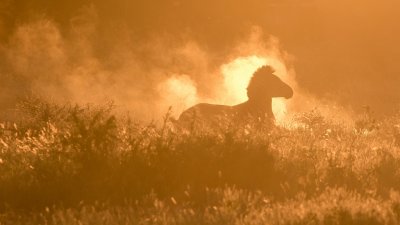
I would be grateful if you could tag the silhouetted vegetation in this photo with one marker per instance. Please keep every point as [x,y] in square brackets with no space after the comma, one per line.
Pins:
[86,165]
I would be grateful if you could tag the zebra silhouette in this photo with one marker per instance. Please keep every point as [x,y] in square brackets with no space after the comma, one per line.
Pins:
[263,86]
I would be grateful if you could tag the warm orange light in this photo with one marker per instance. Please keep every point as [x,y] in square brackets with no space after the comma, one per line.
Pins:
[178,92]
[237,75]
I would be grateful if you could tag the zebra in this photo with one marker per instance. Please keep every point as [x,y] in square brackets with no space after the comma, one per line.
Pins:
[263,86]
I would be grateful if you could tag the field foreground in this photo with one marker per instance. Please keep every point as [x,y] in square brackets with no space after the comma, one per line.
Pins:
[84,165]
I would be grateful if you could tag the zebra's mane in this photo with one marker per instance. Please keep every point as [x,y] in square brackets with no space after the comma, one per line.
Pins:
[260,80]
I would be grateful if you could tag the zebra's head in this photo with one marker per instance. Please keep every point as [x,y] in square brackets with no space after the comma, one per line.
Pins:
[265,84]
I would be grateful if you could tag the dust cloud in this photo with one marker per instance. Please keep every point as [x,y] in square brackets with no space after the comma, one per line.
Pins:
[40,59]
[145,79]
[147,57]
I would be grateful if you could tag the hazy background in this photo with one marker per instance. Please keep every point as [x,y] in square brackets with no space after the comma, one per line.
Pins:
[345,52]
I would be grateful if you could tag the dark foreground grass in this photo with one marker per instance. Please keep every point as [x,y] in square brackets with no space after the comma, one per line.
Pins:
[83,165]
[225,206]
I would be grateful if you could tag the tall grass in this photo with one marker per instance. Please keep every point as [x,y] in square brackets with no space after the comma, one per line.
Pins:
[84,165]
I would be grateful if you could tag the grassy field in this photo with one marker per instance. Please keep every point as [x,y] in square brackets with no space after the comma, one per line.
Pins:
[63,164]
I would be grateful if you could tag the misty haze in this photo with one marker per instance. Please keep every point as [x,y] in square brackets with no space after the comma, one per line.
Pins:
[199,112]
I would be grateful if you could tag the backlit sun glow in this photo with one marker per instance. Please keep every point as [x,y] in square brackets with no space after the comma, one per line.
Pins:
[237,74]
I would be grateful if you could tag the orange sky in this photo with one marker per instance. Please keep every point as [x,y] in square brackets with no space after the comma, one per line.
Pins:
[344,50]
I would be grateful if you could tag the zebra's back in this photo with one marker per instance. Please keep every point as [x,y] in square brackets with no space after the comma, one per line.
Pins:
[206,115]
